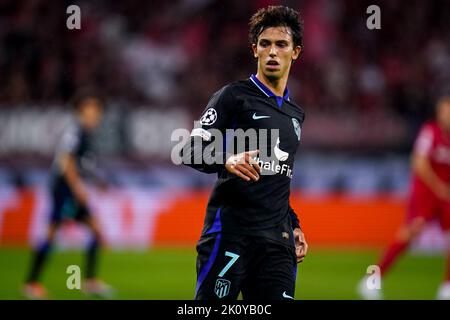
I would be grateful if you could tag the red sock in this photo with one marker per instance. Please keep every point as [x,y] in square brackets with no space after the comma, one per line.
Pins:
[391,254]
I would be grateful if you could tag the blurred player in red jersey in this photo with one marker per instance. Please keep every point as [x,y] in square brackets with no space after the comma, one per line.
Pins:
[429,195]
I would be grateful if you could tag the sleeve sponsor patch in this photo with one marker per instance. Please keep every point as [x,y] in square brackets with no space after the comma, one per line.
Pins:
[200,132]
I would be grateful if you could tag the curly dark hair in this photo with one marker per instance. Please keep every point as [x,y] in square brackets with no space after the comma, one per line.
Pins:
[276,16]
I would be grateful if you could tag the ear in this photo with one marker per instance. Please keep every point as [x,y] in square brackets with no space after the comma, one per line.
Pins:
[255,50]
[296,52]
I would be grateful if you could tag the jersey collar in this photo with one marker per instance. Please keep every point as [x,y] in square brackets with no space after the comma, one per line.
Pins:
[261,86]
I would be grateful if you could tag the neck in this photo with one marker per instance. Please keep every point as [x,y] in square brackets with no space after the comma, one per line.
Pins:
[277,86]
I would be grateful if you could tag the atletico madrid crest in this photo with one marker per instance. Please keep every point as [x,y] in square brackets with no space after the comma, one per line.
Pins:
[222,288]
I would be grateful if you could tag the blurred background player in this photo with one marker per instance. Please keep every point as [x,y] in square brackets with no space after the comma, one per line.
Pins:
[74,162]
[429,195]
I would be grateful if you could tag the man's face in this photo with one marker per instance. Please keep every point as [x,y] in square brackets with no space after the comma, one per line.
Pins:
[275,51]
[443,114]
[90,113]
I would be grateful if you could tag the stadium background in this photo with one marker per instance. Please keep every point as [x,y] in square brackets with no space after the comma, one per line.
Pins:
[366,92]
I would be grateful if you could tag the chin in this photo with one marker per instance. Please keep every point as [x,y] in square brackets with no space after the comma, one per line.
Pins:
[272,75]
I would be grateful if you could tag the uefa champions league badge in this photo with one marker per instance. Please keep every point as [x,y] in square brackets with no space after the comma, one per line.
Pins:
[209,117]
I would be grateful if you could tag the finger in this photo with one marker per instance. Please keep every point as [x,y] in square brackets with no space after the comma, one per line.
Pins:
[242,168]
[251,169]
[239,174]
[252,153]
[303,246]
[300,257]
[255,165]
[302,252]
[304,249]
[246,172]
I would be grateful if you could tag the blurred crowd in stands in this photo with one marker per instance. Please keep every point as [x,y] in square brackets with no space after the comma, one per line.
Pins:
[168,53]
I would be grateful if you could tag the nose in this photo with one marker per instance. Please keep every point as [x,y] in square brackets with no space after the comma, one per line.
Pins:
[273,51]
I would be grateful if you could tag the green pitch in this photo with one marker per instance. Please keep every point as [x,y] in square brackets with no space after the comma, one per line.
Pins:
[170,274]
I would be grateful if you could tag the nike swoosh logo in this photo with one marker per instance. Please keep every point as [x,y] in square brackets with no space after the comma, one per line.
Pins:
[286,296]
[255,117]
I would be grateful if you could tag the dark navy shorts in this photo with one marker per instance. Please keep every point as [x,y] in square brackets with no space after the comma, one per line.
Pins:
[65,206]
[259,268]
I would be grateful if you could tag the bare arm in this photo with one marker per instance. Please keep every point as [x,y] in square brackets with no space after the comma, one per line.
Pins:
[69,170]
[422,168]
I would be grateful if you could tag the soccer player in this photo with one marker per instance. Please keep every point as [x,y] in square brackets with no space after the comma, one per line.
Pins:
[429,195]
[74,162]
[251,240]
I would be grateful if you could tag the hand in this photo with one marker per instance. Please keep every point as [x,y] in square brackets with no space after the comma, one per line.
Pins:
[243,165]
[301,247]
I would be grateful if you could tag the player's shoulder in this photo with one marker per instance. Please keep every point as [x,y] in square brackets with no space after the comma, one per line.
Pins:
[72,129]
[428,133]
[297,109]
[233,91]
[430,126]
[71,136]
[240,88]
[226,92]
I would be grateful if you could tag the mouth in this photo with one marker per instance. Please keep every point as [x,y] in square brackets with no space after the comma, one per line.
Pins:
[272,64]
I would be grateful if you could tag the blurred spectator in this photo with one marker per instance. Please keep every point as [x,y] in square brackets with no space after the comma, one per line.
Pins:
[159,53]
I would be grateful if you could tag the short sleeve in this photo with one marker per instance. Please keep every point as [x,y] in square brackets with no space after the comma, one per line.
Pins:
[70,141]
[424,142]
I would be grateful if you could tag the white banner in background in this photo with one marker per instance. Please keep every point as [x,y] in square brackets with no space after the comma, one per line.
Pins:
[37,131]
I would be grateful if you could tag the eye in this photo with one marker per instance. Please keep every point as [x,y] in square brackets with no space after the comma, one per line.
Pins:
[264,43]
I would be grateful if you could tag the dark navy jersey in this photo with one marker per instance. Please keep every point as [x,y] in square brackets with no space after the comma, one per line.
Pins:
[78,143]
[260,207]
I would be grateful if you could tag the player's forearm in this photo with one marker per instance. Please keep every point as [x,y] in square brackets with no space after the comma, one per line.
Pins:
[199,155]
[70,173]
[422,168]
